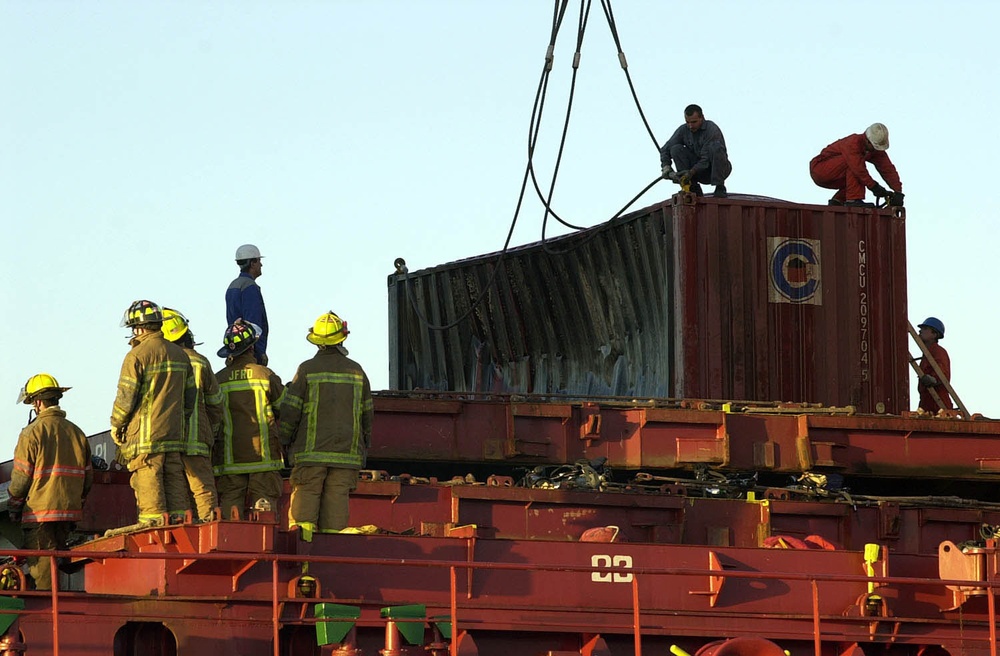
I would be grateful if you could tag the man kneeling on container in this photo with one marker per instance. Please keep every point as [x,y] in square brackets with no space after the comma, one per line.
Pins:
[326,416]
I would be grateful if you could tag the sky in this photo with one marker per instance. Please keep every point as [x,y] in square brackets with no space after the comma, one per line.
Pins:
[142,142]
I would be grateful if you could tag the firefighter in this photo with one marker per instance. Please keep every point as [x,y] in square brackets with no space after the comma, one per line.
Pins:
[248,458]
[52,475]
[156,397]
[205,420]
[326,417]
[932,330]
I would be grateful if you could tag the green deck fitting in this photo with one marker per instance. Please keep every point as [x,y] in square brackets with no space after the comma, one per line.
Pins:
[443,623]
[412,632]
[329,633]
[9,603]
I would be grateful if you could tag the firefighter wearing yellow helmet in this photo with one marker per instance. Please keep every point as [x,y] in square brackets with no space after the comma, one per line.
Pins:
[204,421]
[248,460]
[52,475]
[155,399]
[330,435]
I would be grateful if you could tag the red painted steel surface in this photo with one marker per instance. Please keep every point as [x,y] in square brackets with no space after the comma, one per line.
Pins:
[213,602]
[658,435]
[777,300]
[745,298]
[907,526]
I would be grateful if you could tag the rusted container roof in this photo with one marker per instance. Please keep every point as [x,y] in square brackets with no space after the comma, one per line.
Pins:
[746,298]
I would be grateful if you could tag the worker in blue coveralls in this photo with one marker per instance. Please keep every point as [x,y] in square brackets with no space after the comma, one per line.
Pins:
[244,299]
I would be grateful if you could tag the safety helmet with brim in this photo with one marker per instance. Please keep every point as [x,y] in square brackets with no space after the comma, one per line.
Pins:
[238,338]
[40,386]
[328,330]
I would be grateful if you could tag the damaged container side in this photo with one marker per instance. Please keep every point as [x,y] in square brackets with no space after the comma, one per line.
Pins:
[586,314]
[746,299]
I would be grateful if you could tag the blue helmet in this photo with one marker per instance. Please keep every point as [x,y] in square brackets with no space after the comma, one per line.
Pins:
[935,324]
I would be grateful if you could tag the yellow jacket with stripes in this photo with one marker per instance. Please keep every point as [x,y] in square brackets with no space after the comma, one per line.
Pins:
[156,396]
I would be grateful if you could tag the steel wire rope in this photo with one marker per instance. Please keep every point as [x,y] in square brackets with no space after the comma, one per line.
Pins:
[612,25]
[547,200]
[558,13]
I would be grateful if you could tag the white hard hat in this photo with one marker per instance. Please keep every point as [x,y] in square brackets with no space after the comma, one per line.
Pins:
[248,252]
[878,135]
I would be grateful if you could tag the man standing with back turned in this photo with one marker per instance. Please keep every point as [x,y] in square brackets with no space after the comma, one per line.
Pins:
[247,456]
[156,396]
[326,416]
[244,299]
[52,475]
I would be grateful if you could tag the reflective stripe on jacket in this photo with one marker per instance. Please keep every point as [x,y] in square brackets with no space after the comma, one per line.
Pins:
[205,420]
[156,396]
[251,396]
[327,411]
[52,472]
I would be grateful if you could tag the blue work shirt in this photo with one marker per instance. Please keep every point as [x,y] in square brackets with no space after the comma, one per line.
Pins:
[245,301]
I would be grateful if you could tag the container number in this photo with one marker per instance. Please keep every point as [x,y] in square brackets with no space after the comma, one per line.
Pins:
[863,308]
[602,560]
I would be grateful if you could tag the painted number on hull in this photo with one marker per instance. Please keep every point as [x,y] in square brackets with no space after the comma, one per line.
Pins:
[601,560]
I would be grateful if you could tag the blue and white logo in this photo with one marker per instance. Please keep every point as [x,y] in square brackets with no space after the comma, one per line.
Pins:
[794,271]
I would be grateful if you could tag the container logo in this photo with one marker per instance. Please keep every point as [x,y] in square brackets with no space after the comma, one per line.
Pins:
[794,271]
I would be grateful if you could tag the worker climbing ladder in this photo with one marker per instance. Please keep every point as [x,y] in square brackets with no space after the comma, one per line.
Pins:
[937,371]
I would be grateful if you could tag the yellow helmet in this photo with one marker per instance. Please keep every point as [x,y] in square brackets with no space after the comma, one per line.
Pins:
[175,324]
[328,330]
[40,386]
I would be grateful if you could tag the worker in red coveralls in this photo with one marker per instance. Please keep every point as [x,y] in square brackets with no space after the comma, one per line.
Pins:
[51,477]
[843,166]
[932,330]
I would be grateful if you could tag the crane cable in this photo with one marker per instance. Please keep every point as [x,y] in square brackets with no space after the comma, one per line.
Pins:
[613,26]
[559,12]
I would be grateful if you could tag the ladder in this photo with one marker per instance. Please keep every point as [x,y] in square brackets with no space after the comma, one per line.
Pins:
[937,371]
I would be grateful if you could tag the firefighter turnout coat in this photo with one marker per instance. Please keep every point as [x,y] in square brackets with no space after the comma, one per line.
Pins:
[327,411]
[251,396]
[207,415]
[52,471]
[156,396]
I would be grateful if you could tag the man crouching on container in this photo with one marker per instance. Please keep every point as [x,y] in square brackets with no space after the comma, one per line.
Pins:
[699,150]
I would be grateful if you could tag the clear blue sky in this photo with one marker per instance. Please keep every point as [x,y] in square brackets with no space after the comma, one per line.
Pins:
[142,142]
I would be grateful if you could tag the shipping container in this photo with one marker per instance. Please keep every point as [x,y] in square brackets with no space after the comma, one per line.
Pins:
[746,298]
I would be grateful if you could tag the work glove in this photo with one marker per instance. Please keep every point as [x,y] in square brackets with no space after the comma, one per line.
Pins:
[896,199]
[928,380]
[684,178]
[670,174]
[879,190]
[14,508]
[118,435]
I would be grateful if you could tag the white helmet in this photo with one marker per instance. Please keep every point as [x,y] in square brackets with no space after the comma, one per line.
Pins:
[878,135]
[248,252]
